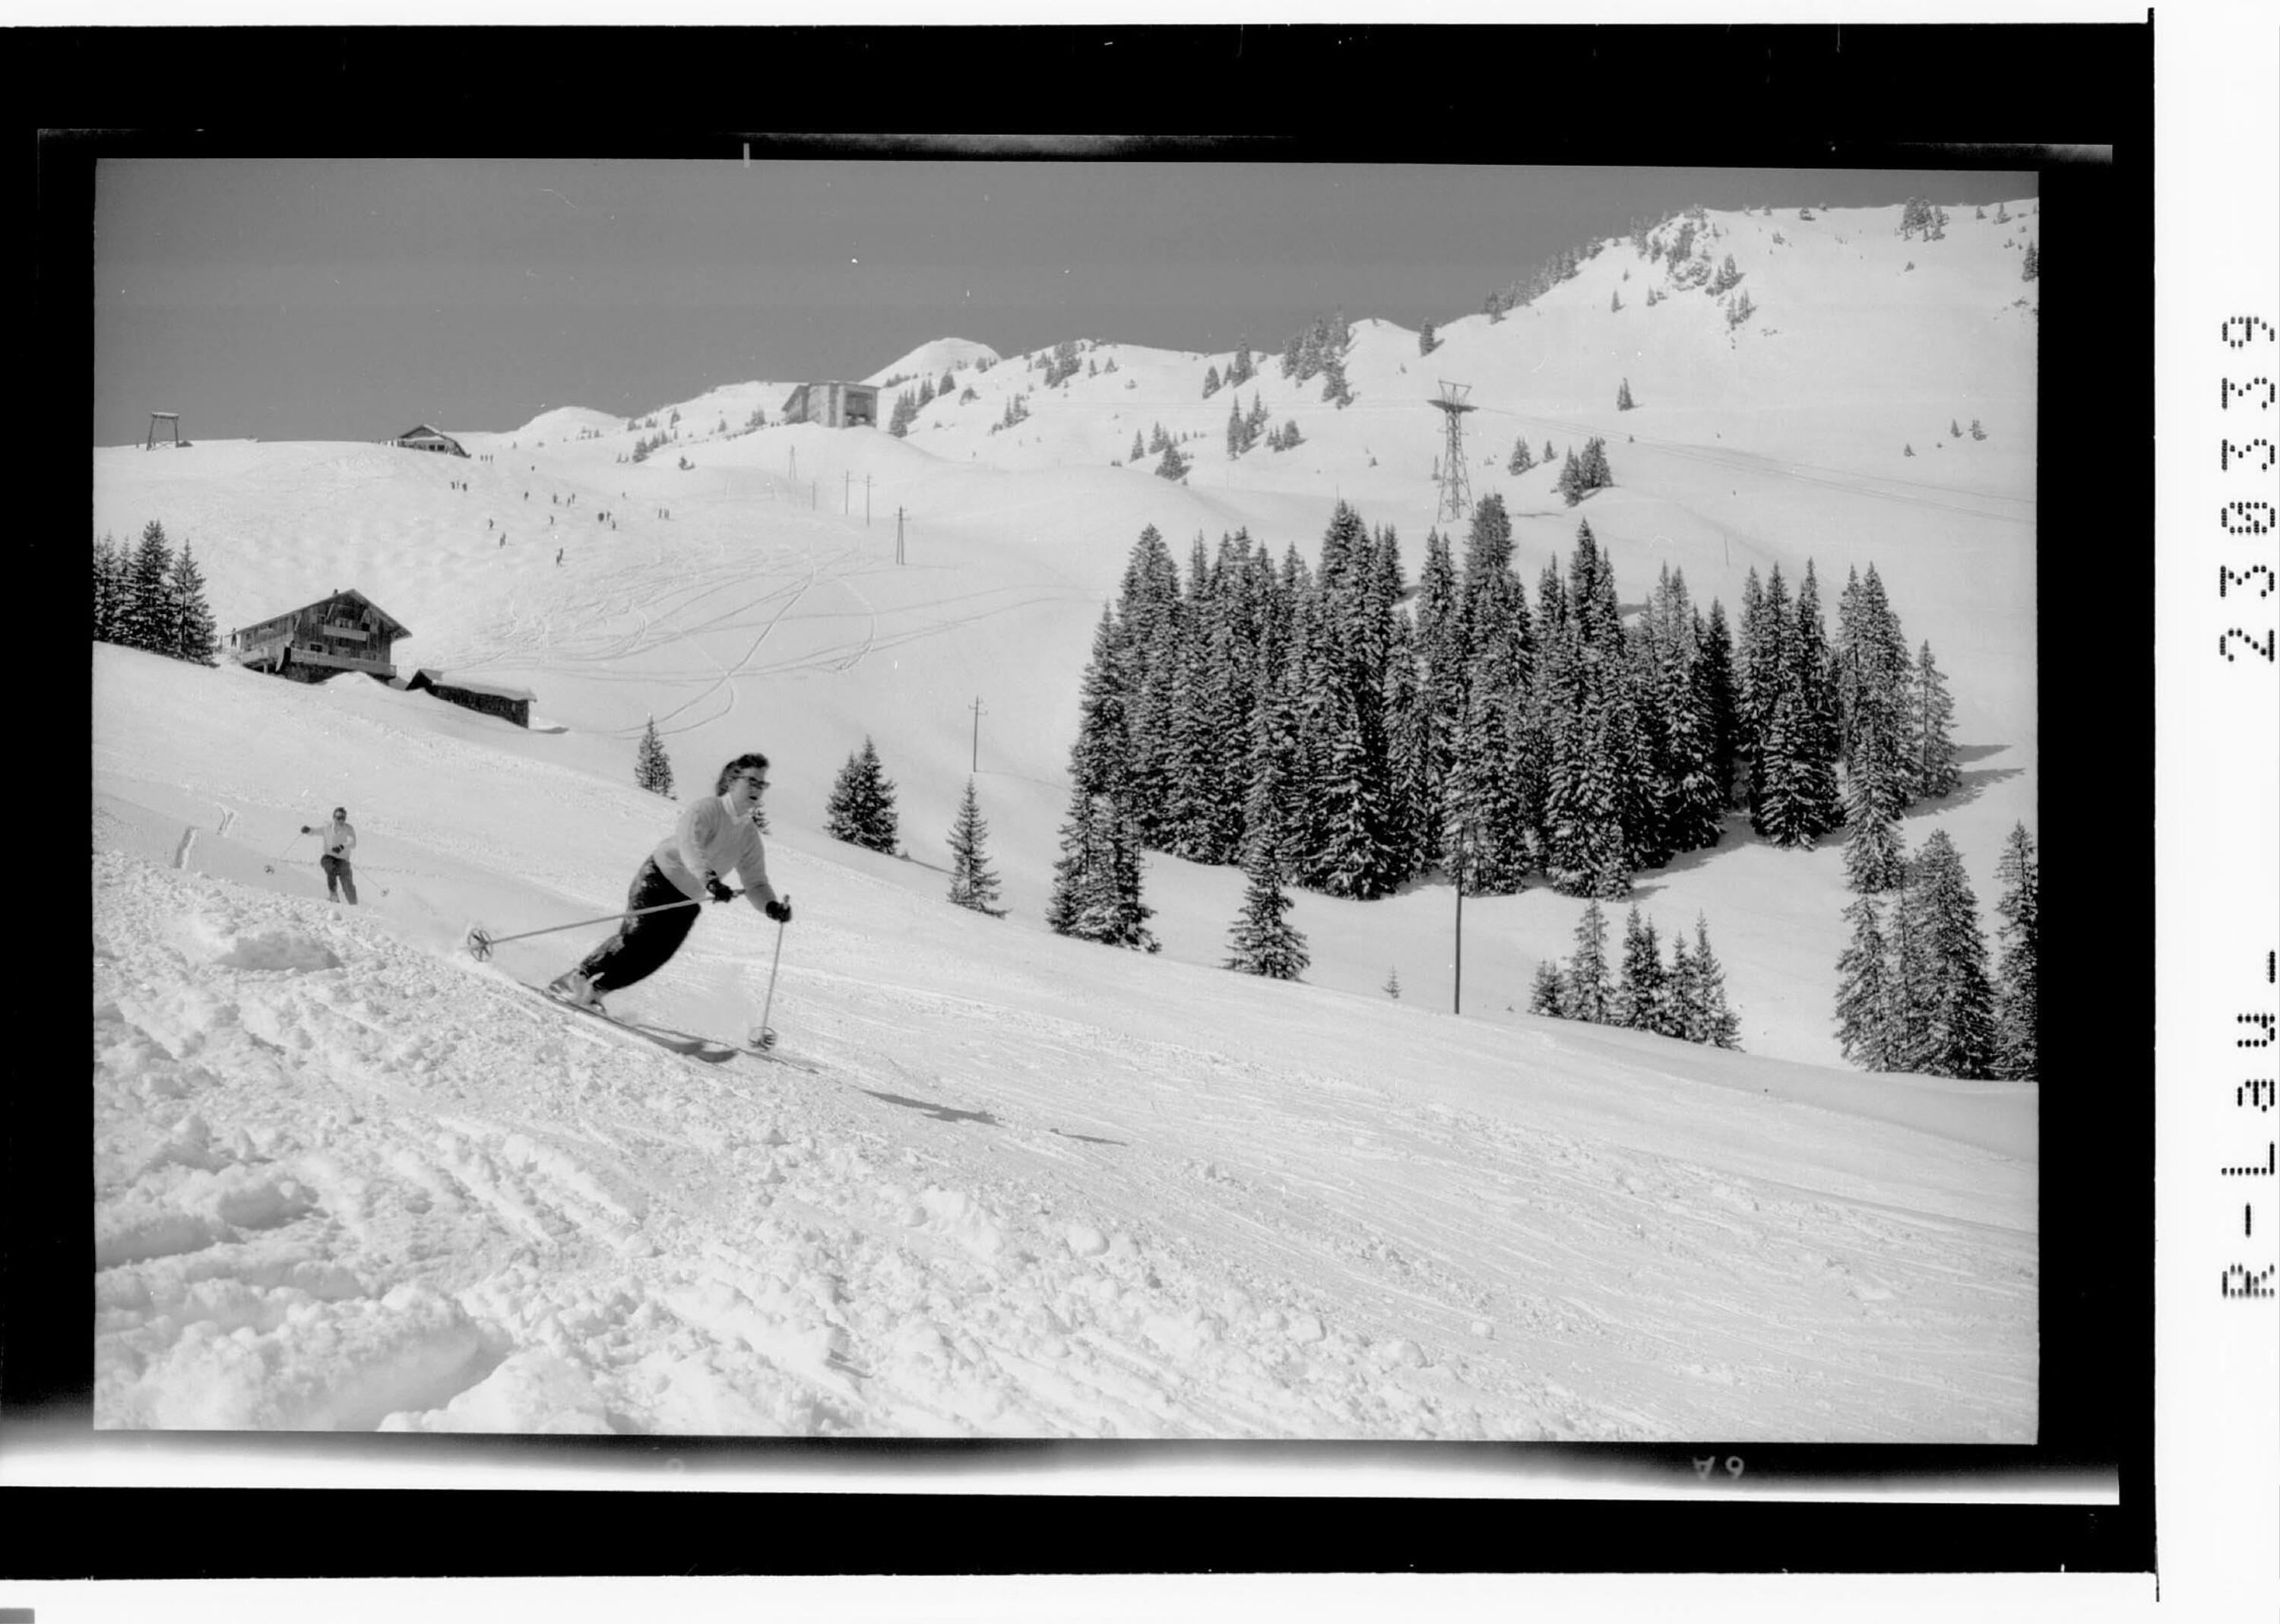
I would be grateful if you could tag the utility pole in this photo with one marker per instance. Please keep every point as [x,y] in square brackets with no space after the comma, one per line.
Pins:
[975,765]
[847,491]
[898,533]
[1457,988]
[867,501]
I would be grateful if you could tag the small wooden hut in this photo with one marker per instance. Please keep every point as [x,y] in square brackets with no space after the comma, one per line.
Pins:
[491,698]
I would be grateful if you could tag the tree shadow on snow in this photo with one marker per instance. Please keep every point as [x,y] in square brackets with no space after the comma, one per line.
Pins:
[940,1114]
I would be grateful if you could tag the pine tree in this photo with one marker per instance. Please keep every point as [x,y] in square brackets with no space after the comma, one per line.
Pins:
[1393,983]
[1138,451]
[1427,343]
[905,414]
[1522,460]
[190,623]
[861,807]
[1720,1026]
[1173,465]
[2018,995]
[653,770]
[1721,704]
[1867,1015]
[2033,267]
[1639,990]
[1262,941]
[1235,441]
[1571,479]
[1932,716]
[1788,811]
[1590,995]
[1211,382]
[1113,913]
[143,618]
[109,590]
[1624,402]
[1873,860]
[1951,1004]
[1548,994]
[972,884]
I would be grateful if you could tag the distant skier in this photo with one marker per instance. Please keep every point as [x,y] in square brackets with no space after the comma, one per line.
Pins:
[339,836]
[558,557]
[715,832]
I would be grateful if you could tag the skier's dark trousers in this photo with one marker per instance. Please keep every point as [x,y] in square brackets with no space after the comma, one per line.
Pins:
[642,945]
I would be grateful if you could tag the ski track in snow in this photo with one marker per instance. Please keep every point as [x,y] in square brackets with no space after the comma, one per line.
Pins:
[481,1213]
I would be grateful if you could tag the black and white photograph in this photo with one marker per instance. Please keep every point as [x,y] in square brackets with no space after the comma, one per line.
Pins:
[825,845]
[1329,801]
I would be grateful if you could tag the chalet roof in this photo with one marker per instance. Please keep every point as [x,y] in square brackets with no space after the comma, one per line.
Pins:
[396,626]
[418,429]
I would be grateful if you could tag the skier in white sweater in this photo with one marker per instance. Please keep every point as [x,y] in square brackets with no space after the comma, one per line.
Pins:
[716,833]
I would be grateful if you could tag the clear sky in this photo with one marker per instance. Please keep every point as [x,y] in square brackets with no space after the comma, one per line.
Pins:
[320,299]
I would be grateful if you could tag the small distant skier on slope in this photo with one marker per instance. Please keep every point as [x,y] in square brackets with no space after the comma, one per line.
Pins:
[716,833]
[340,840]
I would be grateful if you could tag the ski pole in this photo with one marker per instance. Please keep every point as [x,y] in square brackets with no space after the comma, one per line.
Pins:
[480,941]
[271,867]
[764,1036]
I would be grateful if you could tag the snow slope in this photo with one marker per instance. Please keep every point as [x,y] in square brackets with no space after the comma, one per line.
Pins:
[348,1178]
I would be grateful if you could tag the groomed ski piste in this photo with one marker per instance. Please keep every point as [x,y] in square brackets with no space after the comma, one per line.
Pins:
[1012,1184]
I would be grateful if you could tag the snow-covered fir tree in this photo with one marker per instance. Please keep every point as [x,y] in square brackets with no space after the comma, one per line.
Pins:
[1521,459]
[1591,992]
[110,597]
[1868,1018]
[1624,402]
[2018,997]
[860,809]
[143,618]
[973,884]
[1263,942]
[1721,702]
[189,622]
[1097,886]
[1947,1002]
[1639,985]
[1547,994]
[653,770]
[1931,721]
[1709,1018]
[1427,343]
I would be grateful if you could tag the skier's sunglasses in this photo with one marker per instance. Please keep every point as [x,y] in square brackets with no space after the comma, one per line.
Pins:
[753,779]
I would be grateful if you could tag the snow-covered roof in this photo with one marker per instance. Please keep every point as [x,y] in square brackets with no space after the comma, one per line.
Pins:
[470,685]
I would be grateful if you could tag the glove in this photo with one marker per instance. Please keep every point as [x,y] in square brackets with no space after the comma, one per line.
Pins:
[338,849]
[780,911]
[305,829]
[717,891]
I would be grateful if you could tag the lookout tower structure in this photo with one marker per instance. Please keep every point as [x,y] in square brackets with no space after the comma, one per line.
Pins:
[174,422]
[1456,482]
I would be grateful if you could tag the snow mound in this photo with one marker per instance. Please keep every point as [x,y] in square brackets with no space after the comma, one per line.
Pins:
[934,357]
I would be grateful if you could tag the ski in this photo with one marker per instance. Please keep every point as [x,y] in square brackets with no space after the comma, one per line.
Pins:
[777,1056]
[711,1050]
